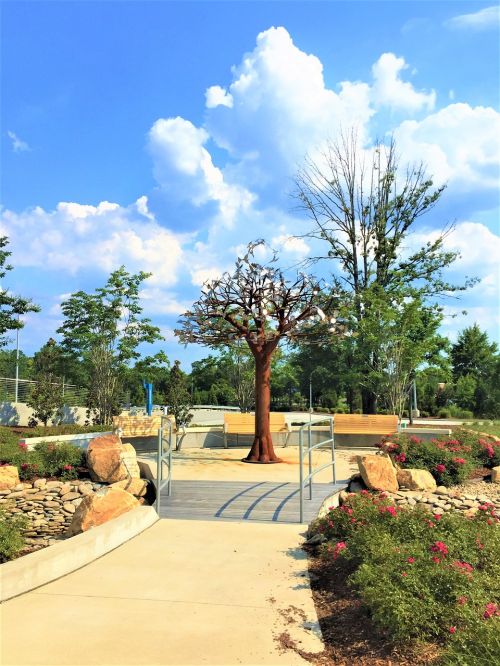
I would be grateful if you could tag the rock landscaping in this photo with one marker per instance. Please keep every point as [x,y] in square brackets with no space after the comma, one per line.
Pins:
[49,509]
[49,506]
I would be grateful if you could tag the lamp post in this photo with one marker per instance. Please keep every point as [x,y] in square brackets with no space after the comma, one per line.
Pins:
[16,396]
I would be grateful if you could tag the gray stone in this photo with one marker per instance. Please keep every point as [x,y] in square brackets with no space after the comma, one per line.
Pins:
[316,540]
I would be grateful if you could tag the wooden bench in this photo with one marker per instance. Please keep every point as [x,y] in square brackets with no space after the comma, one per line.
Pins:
[244,424]
[365,424]
[139,426]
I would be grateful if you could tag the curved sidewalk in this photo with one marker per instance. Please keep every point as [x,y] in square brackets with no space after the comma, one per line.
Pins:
[182,592]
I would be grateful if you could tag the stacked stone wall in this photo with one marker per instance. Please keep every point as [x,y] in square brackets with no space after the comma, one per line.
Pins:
[48,505]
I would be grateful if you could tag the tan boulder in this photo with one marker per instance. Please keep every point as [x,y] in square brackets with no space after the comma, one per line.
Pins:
[9,477]
[495,474]
[136,487]
[416,479]
[378,473]
[104,505]
[109,460]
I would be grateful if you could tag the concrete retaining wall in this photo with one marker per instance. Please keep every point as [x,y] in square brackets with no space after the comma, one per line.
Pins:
[18,413]
[32,571]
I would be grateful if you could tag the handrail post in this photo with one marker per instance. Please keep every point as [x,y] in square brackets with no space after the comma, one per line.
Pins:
[159,465]
[310,461]
[169,459]
[301,473]
[333,451]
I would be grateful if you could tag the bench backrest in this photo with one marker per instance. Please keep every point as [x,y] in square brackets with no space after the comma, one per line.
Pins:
[244,424]
[365,424]
[139,426]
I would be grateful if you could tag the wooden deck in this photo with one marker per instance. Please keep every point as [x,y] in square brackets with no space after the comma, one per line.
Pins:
[239,500]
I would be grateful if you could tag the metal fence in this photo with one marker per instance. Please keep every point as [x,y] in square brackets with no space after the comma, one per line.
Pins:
[12,390]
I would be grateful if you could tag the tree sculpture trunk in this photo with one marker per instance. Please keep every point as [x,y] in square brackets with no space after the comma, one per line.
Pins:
[262,450]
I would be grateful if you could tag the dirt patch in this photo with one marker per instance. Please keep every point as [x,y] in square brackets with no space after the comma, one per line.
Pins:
[349,635]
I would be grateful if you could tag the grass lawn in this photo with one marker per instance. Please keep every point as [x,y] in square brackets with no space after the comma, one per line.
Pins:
[490,427]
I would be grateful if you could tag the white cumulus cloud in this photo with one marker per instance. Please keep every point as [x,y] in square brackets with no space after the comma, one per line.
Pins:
[389,89]
[459,143]
[75,237]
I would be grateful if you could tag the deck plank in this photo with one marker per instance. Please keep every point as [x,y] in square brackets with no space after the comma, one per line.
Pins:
[230,500]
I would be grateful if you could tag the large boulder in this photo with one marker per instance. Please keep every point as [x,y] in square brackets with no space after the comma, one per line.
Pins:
[109,460]
[136,487]
[9,477]
[416,479]
[378,473]
[104,505]
[495,475]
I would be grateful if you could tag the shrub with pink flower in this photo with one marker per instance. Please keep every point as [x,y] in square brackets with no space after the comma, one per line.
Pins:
[491,610]
[439,547]
[440,469]
[339,547]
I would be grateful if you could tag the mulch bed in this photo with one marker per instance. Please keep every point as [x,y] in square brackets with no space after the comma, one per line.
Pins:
[349,635]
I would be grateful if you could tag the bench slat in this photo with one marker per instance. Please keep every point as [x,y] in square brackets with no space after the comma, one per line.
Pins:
[365,424]
[244,424]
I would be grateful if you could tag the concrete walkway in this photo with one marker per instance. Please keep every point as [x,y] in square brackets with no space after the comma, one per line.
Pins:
[182,592]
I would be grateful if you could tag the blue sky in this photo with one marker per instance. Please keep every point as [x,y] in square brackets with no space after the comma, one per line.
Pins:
[164,136]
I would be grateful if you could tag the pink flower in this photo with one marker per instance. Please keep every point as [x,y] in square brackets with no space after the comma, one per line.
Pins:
[340,546]
[440,468]
[462,600]
[68,468]
[463,566]
[404,574]
[459,461]
[491,610]
[415,440]
[401,457]
[22,445]
[411,560]
[388,509]
[439,547]
[24,465]
[483,507]
[436,560]
[453,630]
[437,516]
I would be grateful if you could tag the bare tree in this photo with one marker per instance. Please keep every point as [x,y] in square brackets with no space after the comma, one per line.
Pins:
[363,207]
[257,304]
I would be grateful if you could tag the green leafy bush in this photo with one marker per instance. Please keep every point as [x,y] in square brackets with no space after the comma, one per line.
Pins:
[11,538]
[8,443]
[449,459]
[444,414]
[59,459]
[68,429]
[422,576]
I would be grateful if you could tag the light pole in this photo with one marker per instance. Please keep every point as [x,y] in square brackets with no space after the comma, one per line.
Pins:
[16,396]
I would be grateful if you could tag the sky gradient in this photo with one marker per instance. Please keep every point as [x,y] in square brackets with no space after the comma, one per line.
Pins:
[164,136]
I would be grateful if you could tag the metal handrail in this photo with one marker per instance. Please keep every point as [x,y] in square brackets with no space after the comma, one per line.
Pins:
[310,448]
[163,456]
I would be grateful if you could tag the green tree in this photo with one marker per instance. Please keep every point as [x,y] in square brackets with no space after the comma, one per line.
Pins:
[364,208]
[104,329]
[11,307]
[476,362]
[154,369]
[8,364]
[473,354]
[177,397]
[47,397]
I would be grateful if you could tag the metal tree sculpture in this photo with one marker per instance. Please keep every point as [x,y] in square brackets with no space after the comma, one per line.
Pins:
[258,304]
